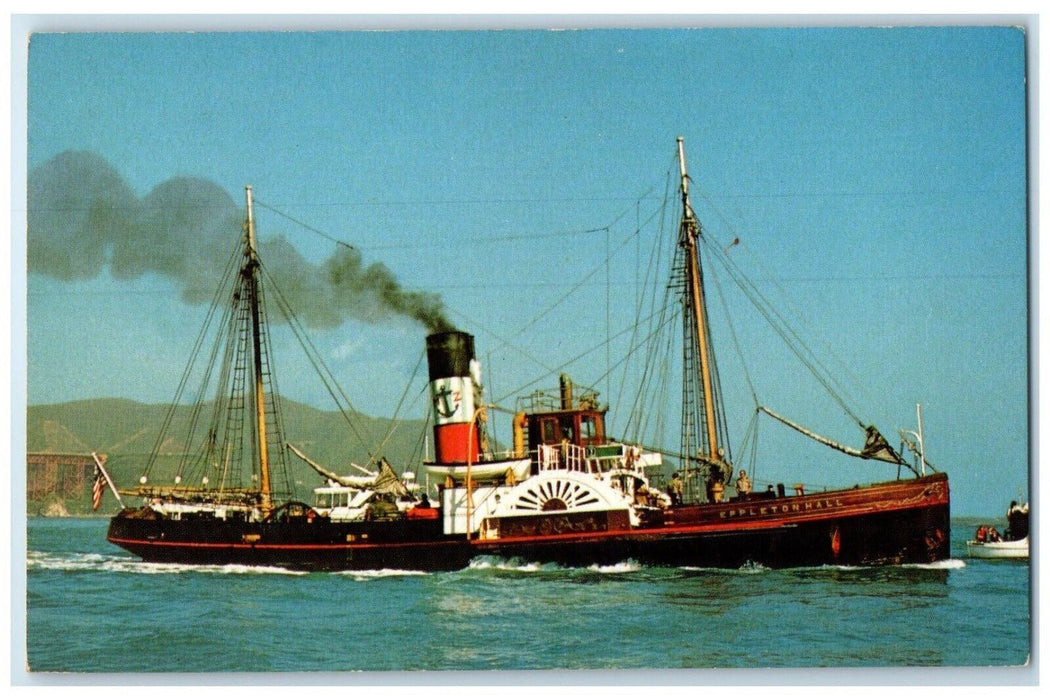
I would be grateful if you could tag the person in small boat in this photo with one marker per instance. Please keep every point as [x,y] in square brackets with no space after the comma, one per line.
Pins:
[993,535]
[743,484]
[981,534]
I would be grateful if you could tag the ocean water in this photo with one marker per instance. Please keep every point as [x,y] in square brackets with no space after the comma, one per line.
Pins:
[92,608]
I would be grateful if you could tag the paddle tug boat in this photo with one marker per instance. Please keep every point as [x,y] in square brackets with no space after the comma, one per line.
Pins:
[565,493]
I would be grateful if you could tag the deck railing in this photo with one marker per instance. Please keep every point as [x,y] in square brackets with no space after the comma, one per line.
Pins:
[591,461]
[570,457]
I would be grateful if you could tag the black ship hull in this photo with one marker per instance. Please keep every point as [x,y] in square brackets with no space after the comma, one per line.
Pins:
[898,522]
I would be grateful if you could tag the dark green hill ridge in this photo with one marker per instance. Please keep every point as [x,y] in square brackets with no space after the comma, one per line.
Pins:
[126,431]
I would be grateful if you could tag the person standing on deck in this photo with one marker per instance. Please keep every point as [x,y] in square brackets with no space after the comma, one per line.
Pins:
[743,484]
[677,489]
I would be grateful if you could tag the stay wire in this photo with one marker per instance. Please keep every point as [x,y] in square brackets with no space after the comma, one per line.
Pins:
[538,317]
[395,421]
[713,275]
[656,370]
[569,362]
[508,343]
[216,304]
[325,374]
[655,258]
[785,329]
[415,245]
[305,225]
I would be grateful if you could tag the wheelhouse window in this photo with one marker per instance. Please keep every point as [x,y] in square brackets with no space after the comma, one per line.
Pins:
[589,429]
[568,429]
[549,431]
[575,427]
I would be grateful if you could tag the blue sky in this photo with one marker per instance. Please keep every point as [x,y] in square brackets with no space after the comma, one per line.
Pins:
[876,179]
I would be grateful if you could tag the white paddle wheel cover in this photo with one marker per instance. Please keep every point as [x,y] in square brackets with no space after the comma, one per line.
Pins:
[560,491]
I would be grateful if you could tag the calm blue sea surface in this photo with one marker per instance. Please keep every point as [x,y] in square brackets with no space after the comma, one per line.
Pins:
[93,608]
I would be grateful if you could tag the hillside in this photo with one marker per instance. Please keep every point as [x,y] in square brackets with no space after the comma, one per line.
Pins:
[127,431]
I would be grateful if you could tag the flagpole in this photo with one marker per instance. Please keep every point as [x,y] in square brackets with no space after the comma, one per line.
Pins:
[98,463]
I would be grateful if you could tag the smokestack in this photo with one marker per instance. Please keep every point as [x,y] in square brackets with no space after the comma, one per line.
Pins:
[455,390]
[566,392]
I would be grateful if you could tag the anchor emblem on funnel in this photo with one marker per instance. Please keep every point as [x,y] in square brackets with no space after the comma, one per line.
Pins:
[446,400]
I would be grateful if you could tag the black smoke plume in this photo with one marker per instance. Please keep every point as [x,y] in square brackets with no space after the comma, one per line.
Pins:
[83,218]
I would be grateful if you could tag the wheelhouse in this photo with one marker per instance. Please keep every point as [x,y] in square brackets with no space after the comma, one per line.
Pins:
[583,428]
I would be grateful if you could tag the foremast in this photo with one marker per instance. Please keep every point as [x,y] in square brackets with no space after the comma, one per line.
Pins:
[712,448]
[245,421]
[251,279]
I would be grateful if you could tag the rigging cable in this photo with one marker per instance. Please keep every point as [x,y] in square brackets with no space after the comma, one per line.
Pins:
[749,441]
[394,420]
[216,304]
[733,335]
[799,347]
[274,427]
[306,226]
[780,325]
[415,245]
[655,258]
[538,317]
[578,357]
[326,375]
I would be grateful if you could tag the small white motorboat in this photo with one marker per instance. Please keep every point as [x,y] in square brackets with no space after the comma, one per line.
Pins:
[1003,549]
[987,544]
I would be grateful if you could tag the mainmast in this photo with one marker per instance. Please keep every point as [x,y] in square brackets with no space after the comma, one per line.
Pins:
[689,234]
[251,273]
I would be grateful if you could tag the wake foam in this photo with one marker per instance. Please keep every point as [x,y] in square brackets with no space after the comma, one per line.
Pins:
[521,566]
[76,561]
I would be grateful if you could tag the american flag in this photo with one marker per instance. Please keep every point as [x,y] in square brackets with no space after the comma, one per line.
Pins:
[96,489]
